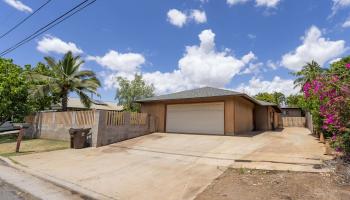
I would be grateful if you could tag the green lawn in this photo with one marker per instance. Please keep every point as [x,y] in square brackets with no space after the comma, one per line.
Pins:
[8,146]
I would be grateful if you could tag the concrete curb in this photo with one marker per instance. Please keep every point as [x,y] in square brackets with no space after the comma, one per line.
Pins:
[85,193]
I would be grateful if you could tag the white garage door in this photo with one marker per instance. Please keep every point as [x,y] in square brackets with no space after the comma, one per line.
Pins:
[206,118]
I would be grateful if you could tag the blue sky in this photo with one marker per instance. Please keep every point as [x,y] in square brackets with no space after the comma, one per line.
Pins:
[245,45]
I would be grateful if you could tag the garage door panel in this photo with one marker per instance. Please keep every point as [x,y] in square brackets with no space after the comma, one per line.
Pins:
[205,118]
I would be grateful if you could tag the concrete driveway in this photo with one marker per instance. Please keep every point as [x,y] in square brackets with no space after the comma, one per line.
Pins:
[174,166]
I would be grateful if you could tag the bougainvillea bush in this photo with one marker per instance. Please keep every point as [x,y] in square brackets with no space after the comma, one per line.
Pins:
[328,98]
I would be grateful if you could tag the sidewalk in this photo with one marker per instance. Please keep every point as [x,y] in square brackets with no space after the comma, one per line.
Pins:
[37,187]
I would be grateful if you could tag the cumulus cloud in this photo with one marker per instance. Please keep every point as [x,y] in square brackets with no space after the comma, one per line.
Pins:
[346,24]
[271,64]
[277,84]
[267,3]
[314,47]
[338,4]
[198,16]
[234,2]
[201,65]
[53,44]
[121,62]
[180,18]
[19,5]
[262,3]
[176,17]
[253,68]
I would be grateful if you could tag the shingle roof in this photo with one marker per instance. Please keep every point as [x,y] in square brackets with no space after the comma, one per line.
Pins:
[203,92]
[264,103]
[75,103]
[195,93]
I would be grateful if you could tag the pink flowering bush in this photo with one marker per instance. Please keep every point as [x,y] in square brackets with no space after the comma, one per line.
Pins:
[328,97]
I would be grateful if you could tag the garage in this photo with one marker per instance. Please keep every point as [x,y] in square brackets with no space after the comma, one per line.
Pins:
[200,118]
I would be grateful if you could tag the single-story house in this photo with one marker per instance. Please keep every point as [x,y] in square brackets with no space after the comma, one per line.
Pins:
[210,111]
[290,111]
[74,104]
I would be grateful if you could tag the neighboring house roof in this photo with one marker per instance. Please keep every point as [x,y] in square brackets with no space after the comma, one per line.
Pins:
[75,103]
[205,92]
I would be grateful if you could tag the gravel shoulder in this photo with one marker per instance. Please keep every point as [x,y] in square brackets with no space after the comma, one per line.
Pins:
[246,184]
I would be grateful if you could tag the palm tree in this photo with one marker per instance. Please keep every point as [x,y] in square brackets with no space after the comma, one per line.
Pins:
[66,78]
[308,73]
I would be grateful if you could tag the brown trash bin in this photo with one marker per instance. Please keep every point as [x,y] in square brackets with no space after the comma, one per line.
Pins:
[79,137]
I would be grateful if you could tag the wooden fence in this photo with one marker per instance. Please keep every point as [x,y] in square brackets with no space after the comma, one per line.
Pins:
[70,118]
[138,118]
[106,126]
[294,121]
[115,118]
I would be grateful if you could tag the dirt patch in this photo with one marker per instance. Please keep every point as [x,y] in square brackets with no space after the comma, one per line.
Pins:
[249,184]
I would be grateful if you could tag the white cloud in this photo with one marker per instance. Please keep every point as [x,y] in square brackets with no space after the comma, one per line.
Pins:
[262,3]
[277,84]
[19,5]
[334,60]
[251,36]
[271,64]
[198,16]
[267,3]
[234,2]
[249,57]
[177,17]
[314,47]
[110,78]
[180,18]
[120,62]
[253,68]
[54,44]
[201,65]
[346,24]
[338,4]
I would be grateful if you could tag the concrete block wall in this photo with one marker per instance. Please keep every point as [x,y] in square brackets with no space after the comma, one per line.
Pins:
[51,129]
[46,126]
[108,134]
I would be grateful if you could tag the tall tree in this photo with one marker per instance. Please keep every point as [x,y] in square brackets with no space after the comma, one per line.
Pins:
[44,101]
[66,77]
[296,100]
[130,91]
[308,73]
[277,98]
[13,92]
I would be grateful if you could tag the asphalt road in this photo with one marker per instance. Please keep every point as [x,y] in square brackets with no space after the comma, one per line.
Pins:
[8,192]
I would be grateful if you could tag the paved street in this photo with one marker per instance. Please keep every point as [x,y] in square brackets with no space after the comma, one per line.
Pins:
[8,192]
[38,188]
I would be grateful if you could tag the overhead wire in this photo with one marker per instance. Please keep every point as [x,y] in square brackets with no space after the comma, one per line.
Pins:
[50,25]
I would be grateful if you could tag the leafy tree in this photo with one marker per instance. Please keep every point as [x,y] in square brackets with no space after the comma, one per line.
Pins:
[296,100]
[44,101]
[337,68]
[277,98]
[13,92]
[308,73]
[64,77]
[130,91]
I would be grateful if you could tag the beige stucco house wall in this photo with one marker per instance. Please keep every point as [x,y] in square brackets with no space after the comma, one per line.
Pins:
[240,113]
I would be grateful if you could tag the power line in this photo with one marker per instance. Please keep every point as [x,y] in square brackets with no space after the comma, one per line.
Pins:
[50,25]
[25,19]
